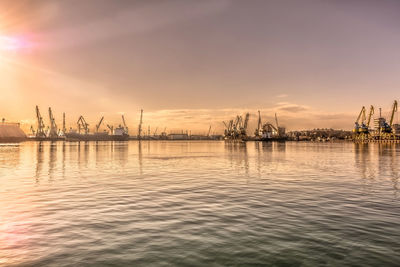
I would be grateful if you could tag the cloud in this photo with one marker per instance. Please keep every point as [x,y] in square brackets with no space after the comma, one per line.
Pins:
[290,107]
[282,96]
[134,20]
[293,108]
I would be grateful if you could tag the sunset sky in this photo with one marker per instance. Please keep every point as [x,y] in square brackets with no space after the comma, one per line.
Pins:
[190,64]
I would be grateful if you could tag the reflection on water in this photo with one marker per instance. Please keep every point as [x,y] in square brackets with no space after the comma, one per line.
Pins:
[196,203]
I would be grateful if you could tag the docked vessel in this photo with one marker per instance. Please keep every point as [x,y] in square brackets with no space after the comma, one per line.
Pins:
[11,133]
[82,134]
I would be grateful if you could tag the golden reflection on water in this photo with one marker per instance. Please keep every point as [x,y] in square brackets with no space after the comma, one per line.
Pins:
[36,176]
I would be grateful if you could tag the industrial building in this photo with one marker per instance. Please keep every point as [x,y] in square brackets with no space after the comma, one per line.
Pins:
[11,132]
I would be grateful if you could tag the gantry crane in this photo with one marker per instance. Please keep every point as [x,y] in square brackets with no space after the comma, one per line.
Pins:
[82,125]
[40,132]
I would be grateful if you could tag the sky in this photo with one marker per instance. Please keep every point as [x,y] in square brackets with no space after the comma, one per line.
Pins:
[190,63]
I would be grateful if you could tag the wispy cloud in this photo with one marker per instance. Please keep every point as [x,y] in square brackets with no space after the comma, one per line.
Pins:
[282,96]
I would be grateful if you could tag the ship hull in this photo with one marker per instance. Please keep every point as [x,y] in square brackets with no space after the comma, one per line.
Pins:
[95,137]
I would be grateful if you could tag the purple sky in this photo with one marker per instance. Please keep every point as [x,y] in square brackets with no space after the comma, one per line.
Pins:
[192,63]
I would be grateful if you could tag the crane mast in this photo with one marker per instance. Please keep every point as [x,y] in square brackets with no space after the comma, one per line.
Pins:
[371,112]
[53,126]
[64,129]
[394,109]
[99,124]
[277,125]
[123,121]
[259,125]
[140,125]
[40,132]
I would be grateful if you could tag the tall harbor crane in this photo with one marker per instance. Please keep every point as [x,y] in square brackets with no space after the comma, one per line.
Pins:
[357,123]
[371,113]
[257,132]
[111,128]
[64,129]
[140,125]
[277,125]
[124,123]
[394,109]
[40,132]
[53,132]
[209,130]
[82,125]
[99,124]
[387,131]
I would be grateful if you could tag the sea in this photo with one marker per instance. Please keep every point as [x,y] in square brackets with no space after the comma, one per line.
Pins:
[199,203]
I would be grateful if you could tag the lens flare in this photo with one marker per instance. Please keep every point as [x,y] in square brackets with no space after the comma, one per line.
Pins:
[10,43]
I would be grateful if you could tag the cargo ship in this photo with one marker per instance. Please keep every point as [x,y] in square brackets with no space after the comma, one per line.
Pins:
[82,134]
[11,132]
[118,134]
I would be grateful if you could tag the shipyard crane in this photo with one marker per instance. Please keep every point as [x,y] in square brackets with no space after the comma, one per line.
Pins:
[99,124]
[82,124]
[257,132]
[394,109]
[209,130]
[64,130]
[53,126]
[111,128]
[32,130]
[124,123]
[140,125]
[40,132]
[246,121]
[277,125]
[155,132]
[371,112]
[357,123]
[243,125]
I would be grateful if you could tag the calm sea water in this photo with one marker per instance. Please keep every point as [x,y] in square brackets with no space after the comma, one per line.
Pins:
[199,204]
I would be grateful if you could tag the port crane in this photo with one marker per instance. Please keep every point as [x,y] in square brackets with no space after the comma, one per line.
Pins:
[124,124]
[243,129]
[357,123]
[371,113]
[387,127]
[209,130]
[64,130]
[111,128]
[99,124]
[40,132]
[140,125]
[82,125]
[53,126]
[259,125]
[277,125]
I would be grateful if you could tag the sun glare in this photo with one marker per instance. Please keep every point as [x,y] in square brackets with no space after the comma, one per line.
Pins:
[9,43]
